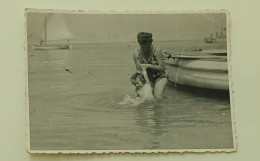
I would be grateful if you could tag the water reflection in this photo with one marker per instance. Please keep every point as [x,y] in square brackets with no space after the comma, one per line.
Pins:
[152,119]
[182,108]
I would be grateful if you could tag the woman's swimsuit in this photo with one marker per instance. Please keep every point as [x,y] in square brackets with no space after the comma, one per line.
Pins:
[153,74]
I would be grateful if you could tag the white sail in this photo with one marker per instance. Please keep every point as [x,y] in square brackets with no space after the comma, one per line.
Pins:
[55,29]
[55,33]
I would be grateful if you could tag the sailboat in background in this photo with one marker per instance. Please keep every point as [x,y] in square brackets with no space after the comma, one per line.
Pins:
[54,34]
[219,38]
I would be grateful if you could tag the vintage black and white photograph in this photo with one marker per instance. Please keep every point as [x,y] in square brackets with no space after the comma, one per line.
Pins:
[129,82]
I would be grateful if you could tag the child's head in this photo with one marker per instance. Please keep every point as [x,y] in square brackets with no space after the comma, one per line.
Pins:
[143,89]
[137,80]
[140,81]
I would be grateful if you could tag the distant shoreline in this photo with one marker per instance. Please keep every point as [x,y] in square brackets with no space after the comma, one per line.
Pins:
[123,42]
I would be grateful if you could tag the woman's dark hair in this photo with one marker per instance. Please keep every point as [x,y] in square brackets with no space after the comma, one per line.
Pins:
[144,38]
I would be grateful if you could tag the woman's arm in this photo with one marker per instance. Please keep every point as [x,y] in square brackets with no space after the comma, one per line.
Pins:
[138,70]
[137,63]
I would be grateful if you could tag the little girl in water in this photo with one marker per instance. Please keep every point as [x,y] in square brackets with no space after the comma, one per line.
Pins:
[143,89]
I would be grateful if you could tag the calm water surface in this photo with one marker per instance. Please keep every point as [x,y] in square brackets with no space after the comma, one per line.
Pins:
[75,100]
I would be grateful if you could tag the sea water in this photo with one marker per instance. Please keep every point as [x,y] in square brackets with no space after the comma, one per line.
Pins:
[75,95]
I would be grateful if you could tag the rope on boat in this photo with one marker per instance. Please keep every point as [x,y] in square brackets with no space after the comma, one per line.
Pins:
[176,78]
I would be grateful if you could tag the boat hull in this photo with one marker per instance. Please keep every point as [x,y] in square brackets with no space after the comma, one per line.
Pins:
[209,74]
[52,47]
[211,40]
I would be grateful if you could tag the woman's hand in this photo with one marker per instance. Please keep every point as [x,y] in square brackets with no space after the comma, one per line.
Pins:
[145,66]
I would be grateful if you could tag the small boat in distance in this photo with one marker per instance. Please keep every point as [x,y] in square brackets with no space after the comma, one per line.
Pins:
[51,46]
[218,38]
[207,70]
[54,34]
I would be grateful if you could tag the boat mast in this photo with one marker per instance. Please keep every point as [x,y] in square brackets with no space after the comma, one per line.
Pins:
[45,26]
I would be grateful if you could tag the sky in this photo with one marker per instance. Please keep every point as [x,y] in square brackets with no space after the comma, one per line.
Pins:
[124,27]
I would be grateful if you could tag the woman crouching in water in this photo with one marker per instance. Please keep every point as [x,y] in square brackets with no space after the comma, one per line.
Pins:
[149,59]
